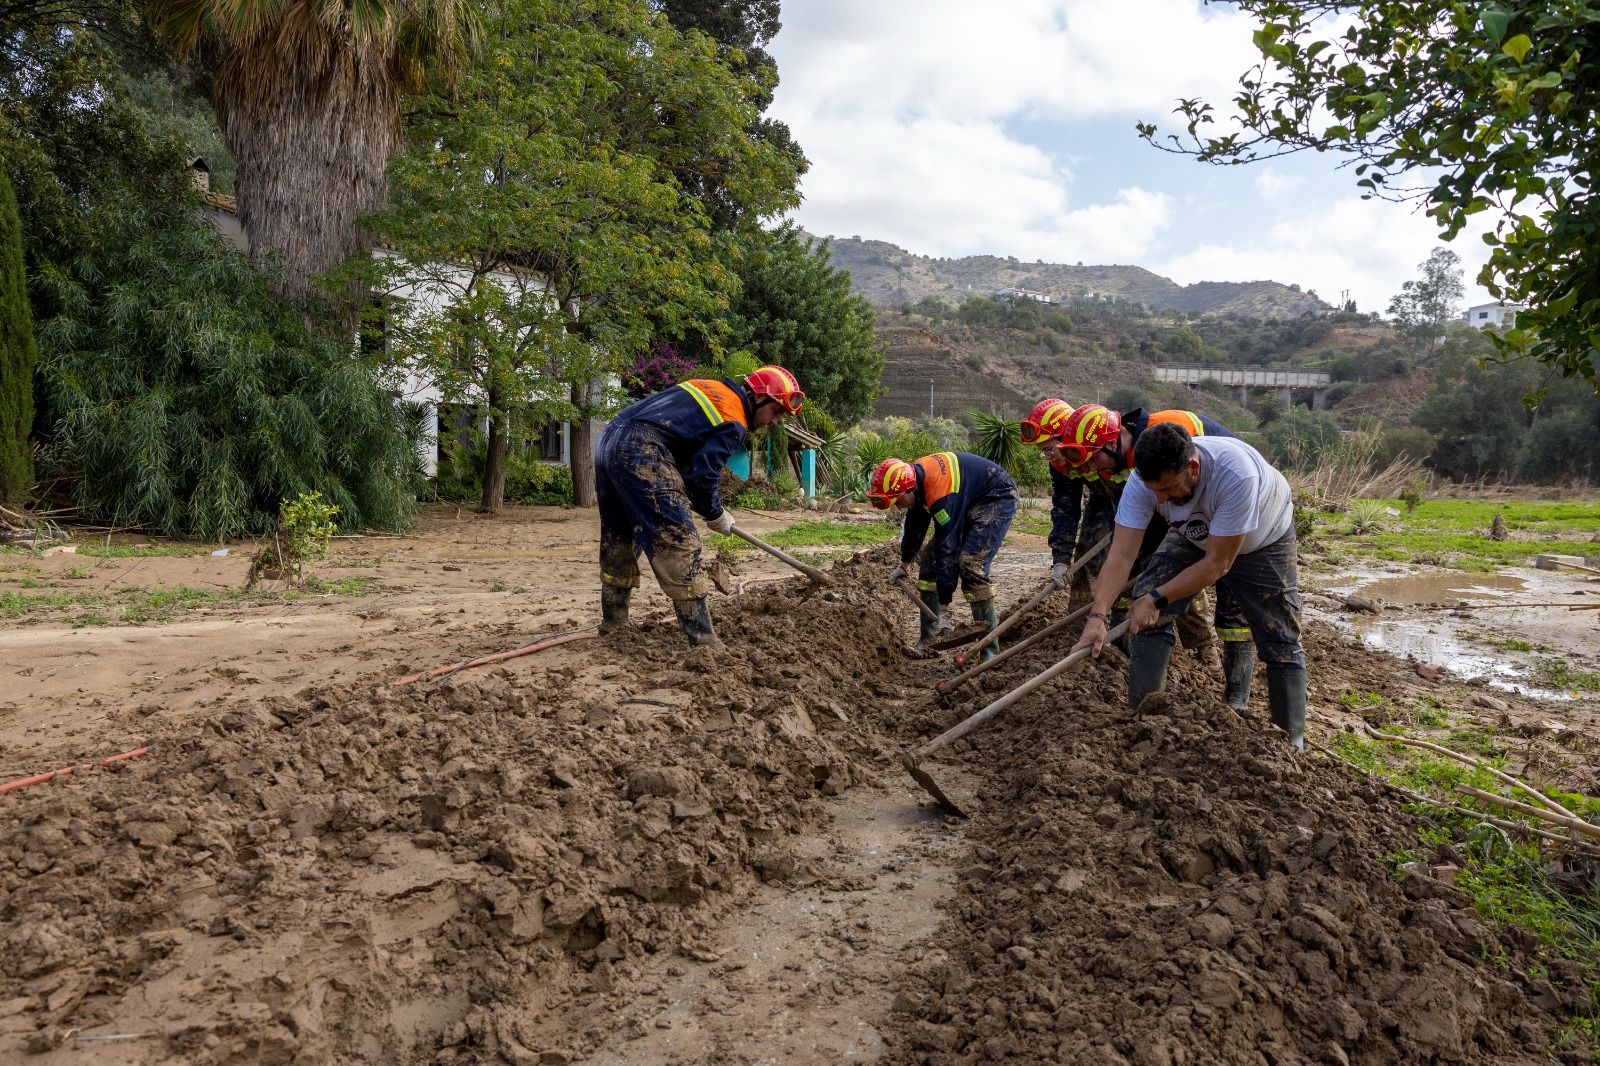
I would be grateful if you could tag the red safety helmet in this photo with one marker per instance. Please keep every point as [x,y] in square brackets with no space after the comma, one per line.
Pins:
[1045,420]
[1087,430]
[889,482]
[780,385]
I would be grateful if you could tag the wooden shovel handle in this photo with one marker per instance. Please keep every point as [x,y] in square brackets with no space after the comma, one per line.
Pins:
[817,576]
[1021,611]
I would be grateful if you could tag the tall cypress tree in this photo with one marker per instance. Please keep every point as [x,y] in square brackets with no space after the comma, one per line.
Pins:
[17,356]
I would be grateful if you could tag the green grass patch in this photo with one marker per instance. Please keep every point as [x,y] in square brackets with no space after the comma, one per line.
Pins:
[1038,525]
[146,606]
[812,534]
[1450,533]
[1558,673]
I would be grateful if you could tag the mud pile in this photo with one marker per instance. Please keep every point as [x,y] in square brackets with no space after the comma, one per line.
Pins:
[1178,886]
[373,873]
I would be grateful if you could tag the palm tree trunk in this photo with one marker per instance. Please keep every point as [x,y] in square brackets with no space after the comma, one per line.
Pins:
[311,146]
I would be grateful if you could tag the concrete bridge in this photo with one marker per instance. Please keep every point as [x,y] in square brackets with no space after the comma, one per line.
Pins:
[1244,377]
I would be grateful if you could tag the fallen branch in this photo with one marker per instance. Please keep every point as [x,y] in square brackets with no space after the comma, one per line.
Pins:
[1576,824]
[1477,763]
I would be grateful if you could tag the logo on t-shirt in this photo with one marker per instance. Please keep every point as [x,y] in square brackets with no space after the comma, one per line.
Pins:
[1196,529]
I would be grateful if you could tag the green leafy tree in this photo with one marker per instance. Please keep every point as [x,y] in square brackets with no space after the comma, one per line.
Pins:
[308,96]
[1185,345]
[1476,107]
[17,356]
[1425,307]
[795,309]
[542,234]
[1300,435]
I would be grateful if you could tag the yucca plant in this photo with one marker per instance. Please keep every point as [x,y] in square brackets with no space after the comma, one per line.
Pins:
[1367,516]
[997,439]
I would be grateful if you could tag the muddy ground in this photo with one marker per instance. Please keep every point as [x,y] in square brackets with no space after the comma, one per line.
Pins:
[611,852]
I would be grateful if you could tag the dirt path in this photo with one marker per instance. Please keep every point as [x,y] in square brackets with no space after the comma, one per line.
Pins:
[806,970]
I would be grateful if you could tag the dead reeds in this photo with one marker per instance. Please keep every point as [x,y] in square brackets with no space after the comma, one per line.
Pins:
[1348,470]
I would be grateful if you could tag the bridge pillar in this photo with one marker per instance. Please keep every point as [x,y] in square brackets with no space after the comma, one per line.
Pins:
[1319,398]
[1241,395]
[1286,397]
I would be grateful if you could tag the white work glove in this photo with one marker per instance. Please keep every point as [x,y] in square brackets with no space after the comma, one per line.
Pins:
[946,623]
[723,523]
[1058,574]
[901,572]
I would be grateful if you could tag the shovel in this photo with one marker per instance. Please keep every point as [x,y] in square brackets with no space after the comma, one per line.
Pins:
[903,583]
[910,759]
[817,576]
[950,684]
[1021,611]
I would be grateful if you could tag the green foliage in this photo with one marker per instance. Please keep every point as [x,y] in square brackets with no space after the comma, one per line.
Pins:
[1477,410]
[1127,397]
[306,526]
[996,439]
[1402,442]
[529,479]
[542,199]
[1186,346]
[1298,438]
[1425,307]
[1412,497]
[1489,104]
[1367,516]
[794,309]
[17,356]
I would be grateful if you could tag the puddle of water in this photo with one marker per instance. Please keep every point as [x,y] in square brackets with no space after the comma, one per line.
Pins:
[1441,587]
[1410,638]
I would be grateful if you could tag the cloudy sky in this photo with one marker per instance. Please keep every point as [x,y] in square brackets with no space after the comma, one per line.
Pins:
[953,127]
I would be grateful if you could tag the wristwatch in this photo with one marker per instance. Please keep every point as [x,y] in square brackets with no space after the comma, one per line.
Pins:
[1159,600]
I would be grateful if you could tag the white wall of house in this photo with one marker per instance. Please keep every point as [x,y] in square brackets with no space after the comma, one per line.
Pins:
[1495,314]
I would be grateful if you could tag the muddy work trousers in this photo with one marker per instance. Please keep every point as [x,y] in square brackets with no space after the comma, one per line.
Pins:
[644,508]
[1259,596]
[1100,520]
[987,523]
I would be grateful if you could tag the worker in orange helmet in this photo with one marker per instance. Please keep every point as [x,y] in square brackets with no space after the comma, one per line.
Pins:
[1042,429]
[658,464]
[970,503]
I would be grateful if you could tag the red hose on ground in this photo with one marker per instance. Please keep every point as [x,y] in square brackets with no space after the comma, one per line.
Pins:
[39,779]
[500,656]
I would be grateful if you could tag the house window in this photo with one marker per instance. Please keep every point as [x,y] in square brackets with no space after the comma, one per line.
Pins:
[549,442]
[1483,314]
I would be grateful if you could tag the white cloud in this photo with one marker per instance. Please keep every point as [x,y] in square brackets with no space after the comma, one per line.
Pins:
[1275,185]
[1370,247]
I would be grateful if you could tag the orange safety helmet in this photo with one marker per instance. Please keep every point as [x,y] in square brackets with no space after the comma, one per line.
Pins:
[779,384]
[1087,430]
[1045,420]
[889,482]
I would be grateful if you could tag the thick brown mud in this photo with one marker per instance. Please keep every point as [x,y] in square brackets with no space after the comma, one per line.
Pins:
[615,852]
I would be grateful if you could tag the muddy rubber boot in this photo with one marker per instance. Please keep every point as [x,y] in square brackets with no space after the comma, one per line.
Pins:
[930,629]
[695,618]
[1238,667]
[1286,695]
[613,608]
[1147,667]
[983,611]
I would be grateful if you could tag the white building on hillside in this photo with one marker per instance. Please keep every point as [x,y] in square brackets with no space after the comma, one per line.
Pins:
[1498,315]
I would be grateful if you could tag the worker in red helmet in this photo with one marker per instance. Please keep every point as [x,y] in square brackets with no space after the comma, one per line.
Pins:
[657,466]
[1095,446]
[970,503]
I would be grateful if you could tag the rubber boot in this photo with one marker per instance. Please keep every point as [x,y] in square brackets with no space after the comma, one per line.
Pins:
[930,627]
[983,611]
[613,608]
[695,618]
[1238,666]
[1286,695]
[1147,667]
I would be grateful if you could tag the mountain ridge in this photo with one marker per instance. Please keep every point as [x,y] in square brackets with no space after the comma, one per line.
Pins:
[889,276]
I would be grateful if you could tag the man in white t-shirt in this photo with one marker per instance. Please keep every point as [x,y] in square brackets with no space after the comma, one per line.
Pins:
[1232,525]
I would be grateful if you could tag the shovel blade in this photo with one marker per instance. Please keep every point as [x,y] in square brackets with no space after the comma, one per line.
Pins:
[930,786]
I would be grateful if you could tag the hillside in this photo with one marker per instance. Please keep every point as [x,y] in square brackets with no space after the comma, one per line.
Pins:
[890,276]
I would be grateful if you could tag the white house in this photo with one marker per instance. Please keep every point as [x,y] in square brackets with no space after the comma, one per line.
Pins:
[1012,296]
[1498,315]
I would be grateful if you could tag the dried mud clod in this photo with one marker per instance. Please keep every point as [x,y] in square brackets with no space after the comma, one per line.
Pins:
[368,873]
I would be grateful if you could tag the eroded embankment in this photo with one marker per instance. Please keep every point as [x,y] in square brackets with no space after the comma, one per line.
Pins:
[1178,886]
[370,873]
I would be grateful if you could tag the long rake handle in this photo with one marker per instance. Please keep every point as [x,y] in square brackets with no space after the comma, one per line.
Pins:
[1020,612]
[953,683]
[817,576]
[903,583]
[962,728]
